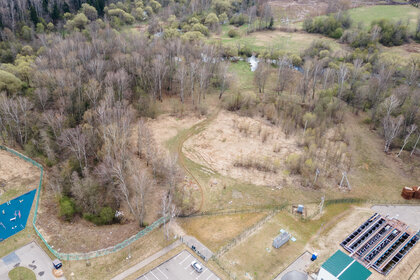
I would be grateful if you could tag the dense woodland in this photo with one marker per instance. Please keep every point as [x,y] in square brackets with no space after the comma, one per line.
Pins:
[73,83]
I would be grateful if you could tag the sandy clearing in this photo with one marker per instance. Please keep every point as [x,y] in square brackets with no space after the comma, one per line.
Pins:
[16,176]
[222,144]
[166,127]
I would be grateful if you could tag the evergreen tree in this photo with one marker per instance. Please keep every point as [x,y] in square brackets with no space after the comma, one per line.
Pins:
[55,15]
[45,5]
[33,15]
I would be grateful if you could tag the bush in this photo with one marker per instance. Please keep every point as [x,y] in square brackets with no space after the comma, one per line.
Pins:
[238,20]
[105,217]
[391,34]
[233,33]
[67,208]
[293,162]
[331,26]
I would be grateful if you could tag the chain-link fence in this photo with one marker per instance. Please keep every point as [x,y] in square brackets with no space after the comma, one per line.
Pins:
[79,256]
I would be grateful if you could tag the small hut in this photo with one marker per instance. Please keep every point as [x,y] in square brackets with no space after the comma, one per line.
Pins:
[280,240]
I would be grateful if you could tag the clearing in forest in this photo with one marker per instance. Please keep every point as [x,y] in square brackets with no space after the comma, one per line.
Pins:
[243,148]
[366,15]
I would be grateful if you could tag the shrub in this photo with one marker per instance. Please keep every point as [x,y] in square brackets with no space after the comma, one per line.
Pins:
[233,33]
[67,208]
[107,215]
[293,162]
[391,34]
[332,26]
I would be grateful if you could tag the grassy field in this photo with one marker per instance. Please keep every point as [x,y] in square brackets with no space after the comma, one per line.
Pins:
[21,273]
[366,15]
[270,40]
[216,231]
[267,262]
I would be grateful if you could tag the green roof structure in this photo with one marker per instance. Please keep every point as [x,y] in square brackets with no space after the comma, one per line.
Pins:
[344,267]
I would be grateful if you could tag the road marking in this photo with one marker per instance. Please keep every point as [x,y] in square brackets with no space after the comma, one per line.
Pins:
[192,271]
[211,274]
[201,274]
[185,259]
[187,266]
[154,275]
[162,273]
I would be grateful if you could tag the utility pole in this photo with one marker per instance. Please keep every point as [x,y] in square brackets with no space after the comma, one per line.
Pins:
[321,205]
[316,176]
[347,180]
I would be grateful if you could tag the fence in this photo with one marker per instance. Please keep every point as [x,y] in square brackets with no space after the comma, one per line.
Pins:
[80,256]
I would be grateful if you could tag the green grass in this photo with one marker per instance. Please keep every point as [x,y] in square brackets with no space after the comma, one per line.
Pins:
[367,15]
[21,273]
[243,73]
[270,40]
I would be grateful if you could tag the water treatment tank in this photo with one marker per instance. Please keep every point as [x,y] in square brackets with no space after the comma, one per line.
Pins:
[295,275]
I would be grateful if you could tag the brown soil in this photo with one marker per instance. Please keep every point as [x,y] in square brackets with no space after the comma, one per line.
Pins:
[222,144]
[16,176]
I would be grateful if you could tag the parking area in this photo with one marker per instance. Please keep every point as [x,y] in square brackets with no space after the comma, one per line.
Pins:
[409,214]
[30,256]
[179,268]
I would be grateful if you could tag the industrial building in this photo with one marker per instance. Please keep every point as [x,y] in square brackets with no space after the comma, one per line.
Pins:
[380,243]
[342,267]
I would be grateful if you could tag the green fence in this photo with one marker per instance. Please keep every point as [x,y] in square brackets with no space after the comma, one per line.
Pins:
[80,256]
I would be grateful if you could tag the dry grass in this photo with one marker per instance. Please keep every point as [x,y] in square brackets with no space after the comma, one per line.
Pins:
[230,141]
[217,231]
[266,262]
[16,176]
[113,264]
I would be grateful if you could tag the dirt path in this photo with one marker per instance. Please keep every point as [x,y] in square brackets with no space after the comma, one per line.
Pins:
[184,136]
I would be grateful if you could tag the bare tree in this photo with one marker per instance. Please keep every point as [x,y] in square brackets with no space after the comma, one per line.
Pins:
[391,127]
[304,80]
[74,140]
[160,69]
[316,68]
[224,67]
[142,184]
[261,75]
[283,72]
[342,74]
[182,75]
[42,96]
[410,131]
[415,145]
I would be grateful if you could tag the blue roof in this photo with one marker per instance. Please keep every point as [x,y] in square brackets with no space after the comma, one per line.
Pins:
[345,267]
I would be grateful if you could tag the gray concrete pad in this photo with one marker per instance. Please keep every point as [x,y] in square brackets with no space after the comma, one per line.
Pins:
[30,256]
[300,264]
[198,247]
[409,214]
[179,268]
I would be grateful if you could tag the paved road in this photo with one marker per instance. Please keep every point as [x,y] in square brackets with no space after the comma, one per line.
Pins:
[179,268]
[30,256]
[409,214]
[145,262]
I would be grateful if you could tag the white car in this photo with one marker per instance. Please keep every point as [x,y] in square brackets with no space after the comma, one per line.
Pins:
[197,266]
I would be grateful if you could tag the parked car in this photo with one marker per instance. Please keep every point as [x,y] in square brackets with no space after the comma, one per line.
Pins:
[197,266]
[57,264]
